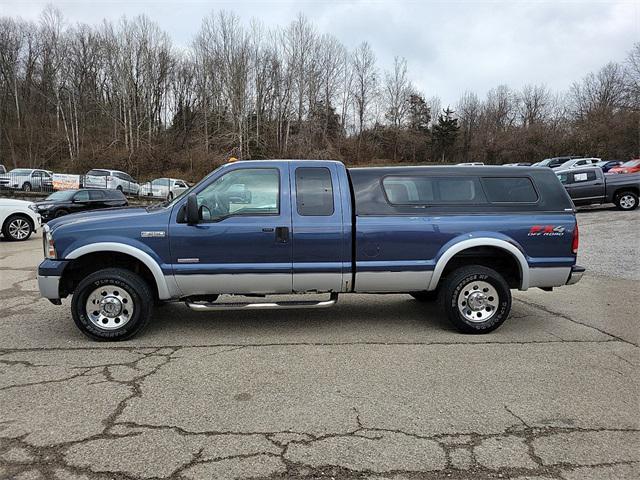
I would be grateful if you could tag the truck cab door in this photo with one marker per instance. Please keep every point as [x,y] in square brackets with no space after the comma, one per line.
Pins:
[586,187]
[321,256]
[242,243]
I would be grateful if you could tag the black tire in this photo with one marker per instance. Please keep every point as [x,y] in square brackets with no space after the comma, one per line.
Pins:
[26,186]
[465,281]
[60,213]
[137,289]
[17,223]
[170,196]
[627,200]
[119,187]
[425,296]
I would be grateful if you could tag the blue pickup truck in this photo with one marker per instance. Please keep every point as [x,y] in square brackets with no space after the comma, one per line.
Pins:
[463,235]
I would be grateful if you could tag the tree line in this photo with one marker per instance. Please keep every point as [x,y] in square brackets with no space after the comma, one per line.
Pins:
[122,95]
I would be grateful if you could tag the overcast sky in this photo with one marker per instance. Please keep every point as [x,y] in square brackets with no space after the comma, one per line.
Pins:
[450,46]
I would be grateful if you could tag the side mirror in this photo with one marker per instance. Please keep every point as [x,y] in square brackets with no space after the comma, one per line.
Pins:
[193,214]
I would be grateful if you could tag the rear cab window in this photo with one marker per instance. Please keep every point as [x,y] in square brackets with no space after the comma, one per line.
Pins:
[314,191]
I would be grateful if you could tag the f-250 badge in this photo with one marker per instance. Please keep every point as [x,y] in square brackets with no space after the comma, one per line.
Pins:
[546,231]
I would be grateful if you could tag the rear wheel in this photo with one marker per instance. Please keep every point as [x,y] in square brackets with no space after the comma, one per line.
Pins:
[112,304]
[17,228]
[476,299]
[170,196]
[627,201]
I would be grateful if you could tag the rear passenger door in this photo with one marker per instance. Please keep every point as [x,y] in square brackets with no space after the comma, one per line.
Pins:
[317,228]
[97,199]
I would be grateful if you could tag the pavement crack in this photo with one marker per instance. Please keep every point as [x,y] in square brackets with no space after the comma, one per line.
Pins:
[516,416]
[567,317]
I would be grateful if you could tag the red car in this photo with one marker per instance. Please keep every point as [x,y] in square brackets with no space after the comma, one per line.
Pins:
[632,166]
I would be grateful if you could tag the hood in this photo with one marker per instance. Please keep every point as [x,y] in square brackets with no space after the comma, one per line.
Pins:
[116,215]
[10,202]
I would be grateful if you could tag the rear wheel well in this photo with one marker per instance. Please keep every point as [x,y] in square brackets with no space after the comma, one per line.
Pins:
[81,267]
[495,258]
[622,190]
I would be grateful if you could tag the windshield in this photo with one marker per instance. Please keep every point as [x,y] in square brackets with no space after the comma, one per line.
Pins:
[631,163]
[61,195]
[20,171]
[171,203]
[160,181]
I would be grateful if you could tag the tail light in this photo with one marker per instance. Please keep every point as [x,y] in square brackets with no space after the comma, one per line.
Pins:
[576,240]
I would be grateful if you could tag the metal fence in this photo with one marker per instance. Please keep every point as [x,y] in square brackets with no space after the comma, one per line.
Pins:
[41,181]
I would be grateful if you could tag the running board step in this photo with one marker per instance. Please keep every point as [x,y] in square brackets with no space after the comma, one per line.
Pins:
[201,307]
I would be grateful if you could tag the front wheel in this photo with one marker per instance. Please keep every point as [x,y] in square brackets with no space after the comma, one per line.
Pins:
[627,201]
[112,304]
[17,228]
[26,187]
[476,299]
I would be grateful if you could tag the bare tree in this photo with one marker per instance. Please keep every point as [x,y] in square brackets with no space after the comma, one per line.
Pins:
[364,86]
[534,104]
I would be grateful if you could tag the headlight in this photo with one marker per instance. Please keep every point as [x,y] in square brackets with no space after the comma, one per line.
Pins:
[45,207]
[33,206]
[47,243]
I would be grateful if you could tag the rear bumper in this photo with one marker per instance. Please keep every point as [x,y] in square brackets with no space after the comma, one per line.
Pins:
[576,274]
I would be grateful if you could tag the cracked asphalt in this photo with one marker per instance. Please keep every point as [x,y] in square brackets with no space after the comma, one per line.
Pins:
[376,387]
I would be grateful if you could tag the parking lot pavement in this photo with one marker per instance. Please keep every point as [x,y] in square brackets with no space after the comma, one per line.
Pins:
[377,387]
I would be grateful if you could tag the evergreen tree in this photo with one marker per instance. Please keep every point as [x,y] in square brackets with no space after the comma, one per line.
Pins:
[444,133]
[419,114]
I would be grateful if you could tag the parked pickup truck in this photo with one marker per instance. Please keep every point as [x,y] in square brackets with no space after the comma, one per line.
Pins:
[465,234]
[589,186]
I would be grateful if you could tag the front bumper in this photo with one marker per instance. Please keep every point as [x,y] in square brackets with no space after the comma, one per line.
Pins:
[576,274]
[49,277]
[49,287]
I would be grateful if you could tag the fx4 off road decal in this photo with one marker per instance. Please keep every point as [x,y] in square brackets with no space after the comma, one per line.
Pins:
[546,231]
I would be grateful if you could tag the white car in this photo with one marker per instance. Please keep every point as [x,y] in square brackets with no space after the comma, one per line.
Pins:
[471,164]
[577,163]
[19,219]
[168,188]
[27,179]
[114,179]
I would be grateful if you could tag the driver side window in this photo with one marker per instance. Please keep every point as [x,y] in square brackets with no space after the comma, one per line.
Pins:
[249,191]
[81,196]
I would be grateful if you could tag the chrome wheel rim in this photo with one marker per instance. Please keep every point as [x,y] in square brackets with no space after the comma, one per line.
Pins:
[109,307]
[478,301]
[627,201]
[19,229]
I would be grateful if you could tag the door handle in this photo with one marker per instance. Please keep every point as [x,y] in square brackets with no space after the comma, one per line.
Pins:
[282,234]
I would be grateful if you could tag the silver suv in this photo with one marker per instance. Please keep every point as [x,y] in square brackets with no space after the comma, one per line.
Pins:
[27,179]
[114,179]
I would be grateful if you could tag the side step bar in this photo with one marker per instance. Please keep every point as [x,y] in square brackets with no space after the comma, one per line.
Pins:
[209,307]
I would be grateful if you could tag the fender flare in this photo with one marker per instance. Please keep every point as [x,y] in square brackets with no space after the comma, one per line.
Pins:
[480,242]
[145,258]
